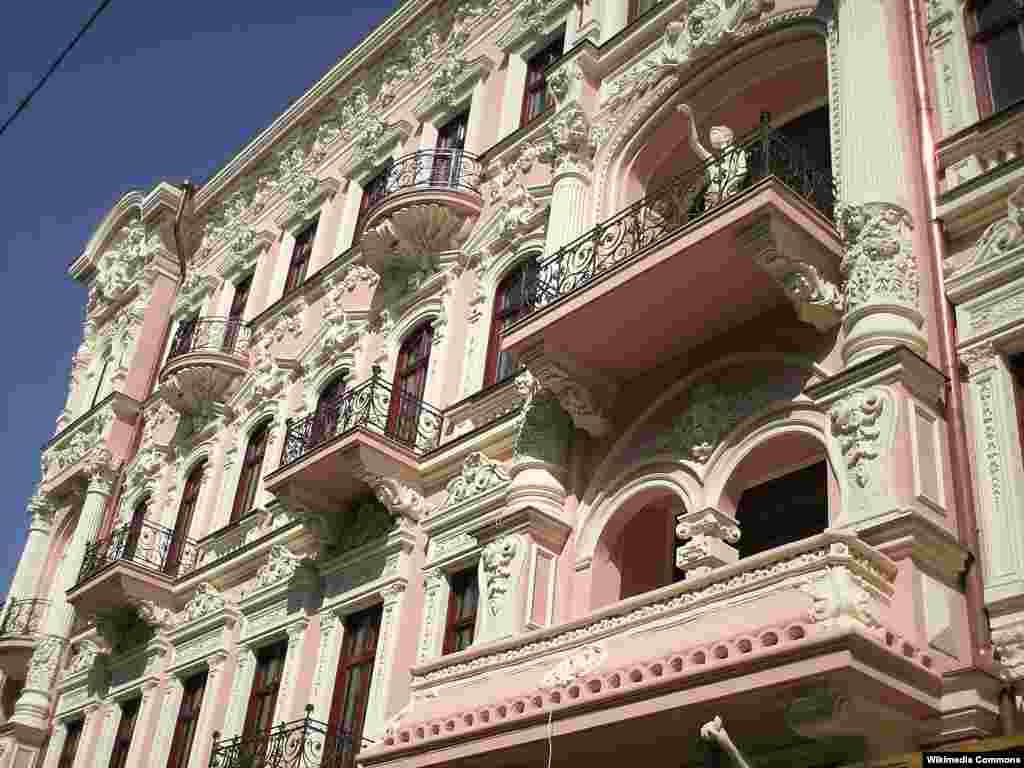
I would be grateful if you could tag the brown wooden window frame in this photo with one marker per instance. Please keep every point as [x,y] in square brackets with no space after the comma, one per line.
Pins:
[349,660]
[125,732]
[370,194]
[270,660]
[979,40]
[187,721]
[302,254]
[457,621]
[404,415]
[507,309]
[251,471]
[72,740]
[635,12]
[186,512]
[536,67]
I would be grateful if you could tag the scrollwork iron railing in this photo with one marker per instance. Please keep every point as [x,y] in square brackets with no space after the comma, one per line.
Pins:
[145,544]
[373,405]
[429,169]
[24,617]
[210,334]
[305,743]
[686,198]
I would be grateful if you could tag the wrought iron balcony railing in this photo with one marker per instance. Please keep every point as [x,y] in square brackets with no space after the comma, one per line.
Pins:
[24,617]
[688,197]
[305,743]
[428,169]
[210,334]
[147,545]
[372,405]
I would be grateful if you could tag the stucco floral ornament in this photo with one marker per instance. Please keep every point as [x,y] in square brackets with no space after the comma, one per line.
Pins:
[479,475]
[206,600]
[120,266]
[879,263]
[857,428]
[42,667]
[499,564]
[1002,237]
[582,662]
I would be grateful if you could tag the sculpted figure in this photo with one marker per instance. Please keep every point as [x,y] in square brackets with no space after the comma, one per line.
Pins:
[714,732]
[726,164]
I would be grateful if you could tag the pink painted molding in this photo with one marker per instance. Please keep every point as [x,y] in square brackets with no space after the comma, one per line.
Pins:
[719,657]
[808,557]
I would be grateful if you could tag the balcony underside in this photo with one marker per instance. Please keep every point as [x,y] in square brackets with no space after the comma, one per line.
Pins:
[194,380]
[693,284]
[660,726]
[15,652]
[330,475]
[119,585]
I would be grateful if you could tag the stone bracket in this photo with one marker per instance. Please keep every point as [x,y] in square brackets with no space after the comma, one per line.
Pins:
[811,284]
[585,396]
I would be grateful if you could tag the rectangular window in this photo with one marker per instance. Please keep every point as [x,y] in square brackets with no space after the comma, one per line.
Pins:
[535,96]
[188,721]
[266,685]
[998,37]
[70,748]
[462,604]
[376,189]
[352,686]
[125,730]
[638,8]
[301,254]
[1016,365]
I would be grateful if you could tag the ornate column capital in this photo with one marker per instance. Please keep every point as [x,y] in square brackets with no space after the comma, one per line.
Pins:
[570,146]
[41,509]
[882,280]
[711,535]
[101,468]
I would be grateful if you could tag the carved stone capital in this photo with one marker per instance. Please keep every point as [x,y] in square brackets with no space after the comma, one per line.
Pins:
[711,535]
[1008,647]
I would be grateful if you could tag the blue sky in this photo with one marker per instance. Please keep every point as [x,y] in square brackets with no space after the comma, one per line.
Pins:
[155,90]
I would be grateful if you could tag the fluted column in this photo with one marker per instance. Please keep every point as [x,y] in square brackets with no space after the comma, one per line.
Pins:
[33,707]
[570,158]
[145,725]
[33,557]
[877,176]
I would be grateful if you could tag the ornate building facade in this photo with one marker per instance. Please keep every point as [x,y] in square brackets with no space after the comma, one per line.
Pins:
[551,379]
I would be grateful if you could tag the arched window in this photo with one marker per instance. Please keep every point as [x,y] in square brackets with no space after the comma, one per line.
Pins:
[134,531]
[410,383]
[236,314]
[102,390]
[512,299]
[329,410]
[996,28]
[249,479]
[178,550]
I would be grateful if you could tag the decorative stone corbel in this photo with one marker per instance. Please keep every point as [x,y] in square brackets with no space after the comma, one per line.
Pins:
[711,535]
[810,285]
[400,499]
[584,396]
[840,600]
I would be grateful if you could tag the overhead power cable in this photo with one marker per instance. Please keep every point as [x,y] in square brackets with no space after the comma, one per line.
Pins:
[53,67]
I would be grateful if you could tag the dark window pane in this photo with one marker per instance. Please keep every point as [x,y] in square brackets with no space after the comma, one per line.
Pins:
[780,511]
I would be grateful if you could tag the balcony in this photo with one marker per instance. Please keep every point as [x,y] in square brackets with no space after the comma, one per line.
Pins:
[369,431]
[305,743]
[757,642]
[207,356]
[21,627]
[135,563]
[978,167]
[427,203]
[714,248]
